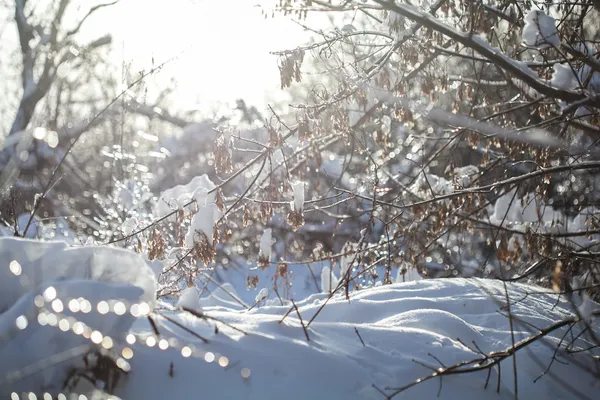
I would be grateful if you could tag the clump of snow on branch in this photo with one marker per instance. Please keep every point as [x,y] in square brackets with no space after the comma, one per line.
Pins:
[296,216]
[190,298]
[298,189]
[431,185]
[586,306]
[466,175]
[564,77]
[540,30]
[200,196]
[513,209]
[348,259]
[177,197]
[129,225]
[588,75]
[203,222]
[328,280]
[266,242]
[262,295]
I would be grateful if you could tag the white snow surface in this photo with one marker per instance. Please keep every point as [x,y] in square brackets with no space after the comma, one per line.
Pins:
[399,323]
[38,356]
[405,327]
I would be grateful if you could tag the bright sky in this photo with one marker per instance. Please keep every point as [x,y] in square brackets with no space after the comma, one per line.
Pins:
[224,46]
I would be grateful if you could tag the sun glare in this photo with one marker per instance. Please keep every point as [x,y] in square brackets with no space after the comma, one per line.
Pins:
[221,48]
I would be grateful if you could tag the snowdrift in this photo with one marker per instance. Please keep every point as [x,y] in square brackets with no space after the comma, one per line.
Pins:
[377,340]
[404,328]
[45,289]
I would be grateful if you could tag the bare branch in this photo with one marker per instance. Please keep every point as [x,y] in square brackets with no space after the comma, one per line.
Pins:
[88,14]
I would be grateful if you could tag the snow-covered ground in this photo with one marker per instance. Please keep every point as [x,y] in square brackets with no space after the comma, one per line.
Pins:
[387,336]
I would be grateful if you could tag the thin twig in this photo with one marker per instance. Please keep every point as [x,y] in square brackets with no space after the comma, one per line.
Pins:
[301,321]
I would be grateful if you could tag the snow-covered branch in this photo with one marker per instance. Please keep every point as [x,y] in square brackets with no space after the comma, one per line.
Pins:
[485,49]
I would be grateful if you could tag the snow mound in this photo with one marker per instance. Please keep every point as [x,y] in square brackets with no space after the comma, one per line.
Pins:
[52,296]
[385,336]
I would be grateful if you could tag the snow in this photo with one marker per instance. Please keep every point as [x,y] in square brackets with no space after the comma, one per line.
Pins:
[465,175]
[190,299]
[129,225]
[348,259]
[564,77]
[262,295]
[581,223]
[587,74]
[513,209]
[266,243]
[50,292]
[298,202]
[176,197]
[200,196]
[35,228]
[328,280]
[398,323]
[529,212]
[427,185]
[407,273]
[385,336]
[386,125]
[540,30]
[203,221]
